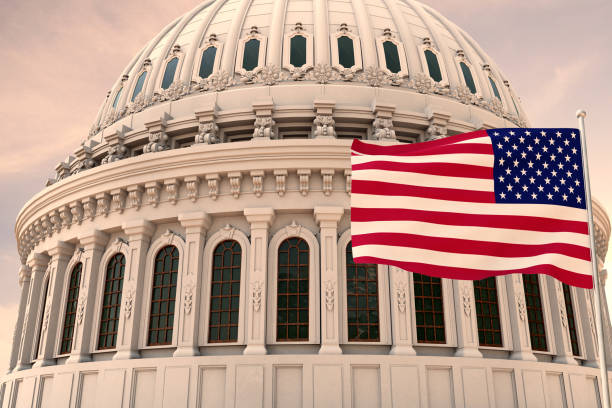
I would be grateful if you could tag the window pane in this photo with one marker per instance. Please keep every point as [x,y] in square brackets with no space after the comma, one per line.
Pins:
[42,314]
[392,57]
[495,90]
[71,306]
[467,76]
[571,320]
[535,315]
[251,55]
[169,73]
[487,312]
[117,96]
[346,52]
[161,318]
[297,57]
[362,299]
[429,308]
[112,302]
[139,84]
[225,298]
[433,66]
[292,291]
[208,62]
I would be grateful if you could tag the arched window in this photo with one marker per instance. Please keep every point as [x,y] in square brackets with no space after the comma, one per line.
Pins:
[163,297]
[292,290]
[571,319]
[139,84]
[361,299]
[346,51]
[207,64]
[535,313]
[117,96]
[169,73]
[297,56]
[42,316]
[433,65]
[467,76]
[250,59]
[429,309]
[392,58]
[72,300]
[111,302]
[487,312]
[225,293]
[494,87]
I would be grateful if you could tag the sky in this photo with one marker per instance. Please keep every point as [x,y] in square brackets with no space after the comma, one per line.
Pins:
[59,58]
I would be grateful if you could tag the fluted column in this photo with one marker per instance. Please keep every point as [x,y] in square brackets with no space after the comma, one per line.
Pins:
[401,316]
[260,220]
[562,340]
[327,218]
[25,275]
[38,264]
[93,244]
[465,317]
[139,234]
[196,224]
[60,257]
[587,323]
[519,324]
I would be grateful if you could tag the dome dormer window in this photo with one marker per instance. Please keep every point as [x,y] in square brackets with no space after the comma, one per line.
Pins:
[298,51]
[139,85]
[173,65]
[346,50]
[169,73]
[252,48]
[432,62]
[494,87]
[208,61]
[433,66]
[117,96]
[467,77]
[299,58]
[250,58]
[391,56]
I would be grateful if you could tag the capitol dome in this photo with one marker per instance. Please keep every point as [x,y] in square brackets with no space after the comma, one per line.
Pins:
[194,249]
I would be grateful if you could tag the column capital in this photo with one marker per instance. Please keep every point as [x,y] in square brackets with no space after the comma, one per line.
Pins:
[138,229]
[196,221]
[61,249]
[324,215]
[93,239]
[38,261]
[259,216]
[25,273]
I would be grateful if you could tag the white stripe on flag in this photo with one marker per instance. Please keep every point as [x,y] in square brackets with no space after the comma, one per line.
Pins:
[485,160]
[424,180]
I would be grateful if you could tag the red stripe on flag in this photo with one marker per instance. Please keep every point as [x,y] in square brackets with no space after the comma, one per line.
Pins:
[394,189]
[407,149]
[515,222]
[435,169]
[424,150]
[472,247]
[569,277]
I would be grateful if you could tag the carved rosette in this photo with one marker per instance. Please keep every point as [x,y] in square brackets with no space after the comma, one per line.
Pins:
[330,294]
[322,74]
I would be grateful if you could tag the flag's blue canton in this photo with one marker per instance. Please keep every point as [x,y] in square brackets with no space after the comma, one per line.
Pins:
[538,166]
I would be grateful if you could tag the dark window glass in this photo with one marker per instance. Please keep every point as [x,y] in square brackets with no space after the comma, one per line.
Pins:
[250,59]
[495,90]
[346,52]
[117,96]
[169,73]
[571,320]
[225,293]
[429,309]
[433,66]
[139,84]
[487,312]
[161,320]
[292,290]
[71,308]
[361,299]
[297,57]
[467,76]
[42,316]
[208,62]
[515,107]
[392,58]
[535,315]
[111,303]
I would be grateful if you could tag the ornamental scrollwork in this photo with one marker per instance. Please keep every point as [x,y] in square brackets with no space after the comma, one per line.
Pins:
[128,302]
[264,127]
[383,129]
[400,296]
[158,141]
[466,298]
[256,295]
[522,307]
[324,126]
[330,295]
[81,309]
[188,296]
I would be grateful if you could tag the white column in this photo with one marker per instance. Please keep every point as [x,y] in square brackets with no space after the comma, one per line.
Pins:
[587,323]
[401,317]
[562,340]
[196,224]
[465,317]
[327,218]
[519,324]
[260,220]
[25,275]
[38,264]
[93,244]
[53,314]
[139,234]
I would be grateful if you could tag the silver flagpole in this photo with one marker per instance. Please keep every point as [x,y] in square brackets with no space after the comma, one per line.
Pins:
[605,391]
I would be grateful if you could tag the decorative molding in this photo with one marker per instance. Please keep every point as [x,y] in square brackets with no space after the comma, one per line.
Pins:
[522,307]
[234,179]
[118,200]
[213,185]
[293,230]
[66,216]
[281,181]
[466,298]
[172,189]
[169,236]
[46,317]
[158,141]
[264,127]
[229,231]
[188,295]
[324,126]
[89,207]
[304,177]
[207,133]
[330,293]
[348,180]
[327,175]
[56,220]
[134,197]
[258,178]
[128,301]
[81,307]
[152,191]
[103,202]
[256,294]
[401,296]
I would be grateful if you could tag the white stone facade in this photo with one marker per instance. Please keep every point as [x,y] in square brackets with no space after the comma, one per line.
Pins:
[257,157]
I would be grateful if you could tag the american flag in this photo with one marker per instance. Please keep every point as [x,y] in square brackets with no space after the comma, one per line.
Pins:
[474,205]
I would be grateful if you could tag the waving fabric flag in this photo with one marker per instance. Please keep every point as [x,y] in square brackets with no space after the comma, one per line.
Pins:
[474,205]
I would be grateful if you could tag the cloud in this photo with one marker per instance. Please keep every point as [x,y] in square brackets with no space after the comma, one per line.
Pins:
[8,317]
